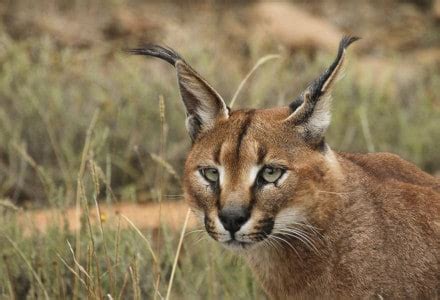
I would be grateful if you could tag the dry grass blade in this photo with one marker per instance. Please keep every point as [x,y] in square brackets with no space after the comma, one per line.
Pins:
[81,171]
[366,130]
[11,282]
[182,235]
[77,276]
[97,174]
[37,278]
[81,268]
[6,203]
[167,166]
[259,63]
[135,281]
[42,175]
[143,238]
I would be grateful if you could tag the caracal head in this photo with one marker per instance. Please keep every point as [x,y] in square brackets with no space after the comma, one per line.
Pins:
[250,173]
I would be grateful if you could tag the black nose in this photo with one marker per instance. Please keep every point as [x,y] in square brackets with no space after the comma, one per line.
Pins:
[233,218]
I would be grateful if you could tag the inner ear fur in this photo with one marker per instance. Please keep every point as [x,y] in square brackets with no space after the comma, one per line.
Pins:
[310,111]
[204,106]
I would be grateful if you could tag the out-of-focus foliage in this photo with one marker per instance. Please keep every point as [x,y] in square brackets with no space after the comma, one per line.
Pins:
[62,65]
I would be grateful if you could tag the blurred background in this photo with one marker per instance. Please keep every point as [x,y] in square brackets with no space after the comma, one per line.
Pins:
[91,137]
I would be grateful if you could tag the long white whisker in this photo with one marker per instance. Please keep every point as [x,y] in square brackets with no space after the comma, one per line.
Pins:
[195,231]
[315,233]
[275,243]
[203,238]
[269,240]
[336,193]
[289,244]
[266,244]
[286,221]
[303,238]
[291,217]
[299,232]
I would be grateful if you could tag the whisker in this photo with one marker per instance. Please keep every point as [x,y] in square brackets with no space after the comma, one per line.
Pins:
[273,243]
[203,238]
[336,193]
[298,231]
[286,242]
[194,231]
[303,238]
[286,221]
[268,242]
[313,231]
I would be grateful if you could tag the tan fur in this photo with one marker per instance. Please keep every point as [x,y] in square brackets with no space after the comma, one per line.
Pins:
[378,216]
[332,225]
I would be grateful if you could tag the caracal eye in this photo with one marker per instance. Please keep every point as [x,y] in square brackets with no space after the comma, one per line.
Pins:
[210,174]
[271,174]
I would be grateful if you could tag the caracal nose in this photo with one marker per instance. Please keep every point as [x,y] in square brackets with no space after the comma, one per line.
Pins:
[233,218]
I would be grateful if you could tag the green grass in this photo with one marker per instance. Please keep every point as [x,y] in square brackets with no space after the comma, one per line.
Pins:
[203,271]
[49,96]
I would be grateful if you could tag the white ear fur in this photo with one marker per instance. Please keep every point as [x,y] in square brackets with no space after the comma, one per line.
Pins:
[203,104]
[319,121]
[311,110]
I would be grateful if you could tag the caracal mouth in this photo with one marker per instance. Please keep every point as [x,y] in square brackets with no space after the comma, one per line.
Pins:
[235,245]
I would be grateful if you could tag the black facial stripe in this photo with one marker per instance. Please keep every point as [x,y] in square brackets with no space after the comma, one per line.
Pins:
[243,131]
[217,198]
[262,151]
[209,224]
[265,220]
[253,199]
[257,236]
[264,227]
[216,155]
[268,226]
[194,195]
[321,146]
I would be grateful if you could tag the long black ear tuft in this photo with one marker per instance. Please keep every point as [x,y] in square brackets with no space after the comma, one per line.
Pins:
[203,104]
[311,109]
[166,54]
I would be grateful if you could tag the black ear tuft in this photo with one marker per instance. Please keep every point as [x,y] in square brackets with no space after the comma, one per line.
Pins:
[311,109]
[166,54]
[347,41]
[320,86]
[296,103]
[204,106]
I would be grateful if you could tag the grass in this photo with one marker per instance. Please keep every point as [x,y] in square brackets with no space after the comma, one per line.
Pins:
[37,265]
[84,126]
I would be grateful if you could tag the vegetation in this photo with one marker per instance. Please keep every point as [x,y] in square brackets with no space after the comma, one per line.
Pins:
[80,126]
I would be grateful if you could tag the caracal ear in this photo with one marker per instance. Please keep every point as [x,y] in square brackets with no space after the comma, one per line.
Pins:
[203,104]
[310,111]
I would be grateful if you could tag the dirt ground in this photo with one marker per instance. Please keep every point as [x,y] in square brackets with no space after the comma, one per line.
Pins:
[143,216]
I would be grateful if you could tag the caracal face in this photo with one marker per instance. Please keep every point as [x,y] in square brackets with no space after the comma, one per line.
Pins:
[250,173]
[244,177]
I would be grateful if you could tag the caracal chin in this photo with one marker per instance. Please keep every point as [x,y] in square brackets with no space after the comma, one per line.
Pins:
[310,222]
